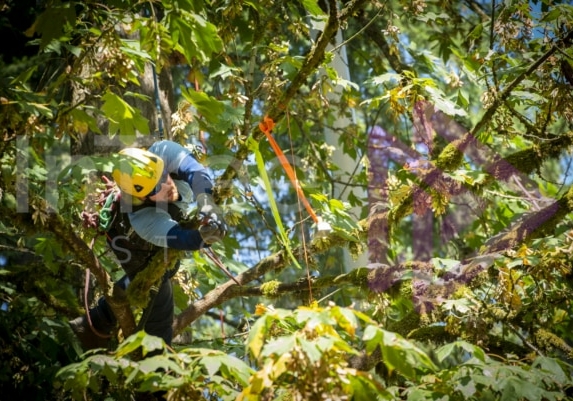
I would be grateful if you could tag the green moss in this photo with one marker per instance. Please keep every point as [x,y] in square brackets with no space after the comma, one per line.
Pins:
[270,288]
[409,323]
[321,244]
[396,214]
[356,249]
[406,289]
[437,334]
[139,289]
[569,199]
[548,341]
[450,158]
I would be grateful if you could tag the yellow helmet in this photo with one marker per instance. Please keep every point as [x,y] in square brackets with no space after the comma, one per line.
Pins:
[138,172]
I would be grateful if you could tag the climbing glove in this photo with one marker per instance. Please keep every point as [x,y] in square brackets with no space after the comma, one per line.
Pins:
[212,226]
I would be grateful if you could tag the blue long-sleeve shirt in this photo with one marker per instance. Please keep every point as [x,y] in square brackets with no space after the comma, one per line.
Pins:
[154,223]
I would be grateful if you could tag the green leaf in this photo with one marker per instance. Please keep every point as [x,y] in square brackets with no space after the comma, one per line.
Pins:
[555,369]
[83,121]
[365,388]
[312,318]
[419,394]
[310,349]
[388,77]
[49,249]
[207,106]
[257,335]
[470,177]
[463,100]
[279,346]
[346,319]
[312,7]
[234,368]
[37,109]
[431,16]
[397,352]
[130,344]
[551,15]
[439,100]
[196,37]
[469,62]
[461,305]
[467,386]
[151,343]
[122,117]
[445,265]
[159,364]
[81,168]
[516,389]
[24,76]
[53,22]
[530,96]
[372,337]
[461,351]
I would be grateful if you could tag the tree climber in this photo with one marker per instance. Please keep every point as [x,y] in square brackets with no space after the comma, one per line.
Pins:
[156,188]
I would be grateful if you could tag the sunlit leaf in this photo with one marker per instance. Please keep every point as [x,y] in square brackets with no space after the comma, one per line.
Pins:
[312,7]
[122,117]
[257,335]
[461,349]
[279,346]
[442,103]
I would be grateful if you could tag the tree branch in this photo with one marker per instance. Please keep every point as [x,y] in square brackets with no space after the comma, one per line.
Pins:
[70,239]
[383,277]
[451,156]
[276,109]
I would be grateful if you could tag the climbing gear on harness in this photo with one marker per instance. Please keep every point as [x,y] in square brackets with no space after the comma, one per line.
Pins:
[107,213]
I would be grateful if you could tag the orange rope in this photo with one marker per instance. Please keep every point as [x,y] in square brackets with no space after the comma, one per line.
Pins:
[267,126]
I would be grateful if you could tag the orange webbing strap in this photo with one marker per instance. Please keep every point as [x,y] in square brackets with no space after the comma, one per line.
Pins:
[267,126]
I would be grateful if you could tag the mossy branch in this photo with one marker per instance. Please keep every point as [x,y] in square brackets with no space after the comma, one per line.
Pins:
[357,278]
[452,155]
[533,225]
[139,288]
[379,279]
[549,341]
[523,162]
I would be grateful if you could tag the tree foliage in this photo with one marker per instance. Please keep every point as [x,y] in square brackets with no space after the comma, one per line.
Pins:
[456,117]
